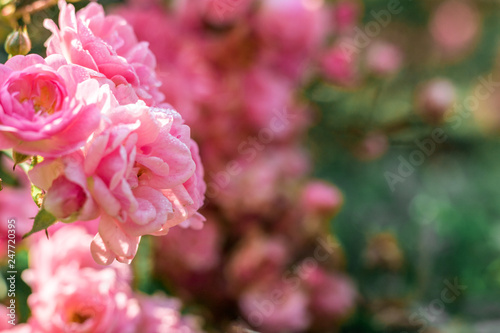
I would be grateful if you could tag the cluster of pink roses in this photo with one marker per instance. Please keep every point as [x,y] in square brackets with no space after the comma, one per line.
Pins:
[234,69]
[71,293]
[112,149]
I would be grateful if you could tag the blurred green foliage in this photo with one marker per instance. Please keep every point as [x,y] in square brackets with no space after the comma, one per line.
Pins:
[446,214]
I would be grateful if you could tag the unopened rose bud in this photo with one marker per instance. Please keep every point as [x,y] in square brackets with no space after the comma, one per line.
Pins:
[18,42]
[64,199]
[434,99]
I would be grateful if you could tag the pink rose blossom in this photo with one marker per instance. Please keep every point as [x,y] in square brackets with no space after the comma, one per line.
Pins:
[84,300]
[141,175]
[255,258]
[19,328]
[321,198]
[384,58]
[217,12]
[434,99]
[292,27]
[346,14]
[7,316]
[46,107]
[190,249]
[161,314]
[372,146]
[188,198]
[264,178]
[455,26]
[67,197]
[333,296]
[339,65]
[275,307]
[67,247]
[106,45]
[71,293]
[138,173]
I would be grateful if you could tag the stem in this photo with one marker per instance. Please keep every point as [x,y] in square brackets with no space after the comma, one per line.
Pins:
[13,14]
[33,8]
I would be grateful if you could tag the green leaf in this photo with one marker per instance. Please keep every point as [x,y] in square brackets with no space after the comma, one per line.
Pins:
[19,158]
[43,220]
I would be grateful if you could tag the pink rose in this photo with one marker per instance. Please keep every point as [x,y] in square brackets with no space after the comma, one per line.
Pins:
[455,26]
[138,173]
[434,99]
[264,177]
[162,314]
[189,249]
[321,198]
[84,300]
[106,45]
[276,307]
[47,108]
[67,197]
[19,328]
[346,15]
[332,295]
[384,58]
[71,293]
[293,28]
[188,198]
[256,258]
[67,247]
[5,314]
[339,64]
[218,12]
[142,173]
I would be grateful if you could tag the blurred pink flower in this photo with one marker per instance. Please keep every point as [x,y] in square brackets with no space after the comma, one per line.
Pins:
[321,198]
[372,146]
[67,248]
[292,27]
[339,65]
[346,14]
[106,45]
[46,106]
[256,257]
[71,293]
[8,315]
[275,307]
[190,249]
[383,58]
[434,99]
[160,314]
[221,12]
[455,26]
[84,300]
[332,295]
[18,328]
[264,177]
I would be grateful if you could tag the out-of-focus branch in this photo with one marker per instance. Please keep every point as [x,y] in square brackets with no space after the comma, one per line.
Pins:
[12,13]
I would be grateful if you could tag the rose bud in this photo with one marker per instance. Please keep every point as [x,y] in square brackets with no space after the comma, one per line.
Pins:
[434,99]
[18,42]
